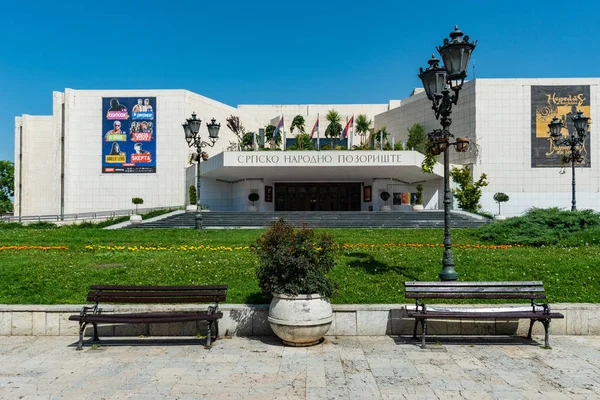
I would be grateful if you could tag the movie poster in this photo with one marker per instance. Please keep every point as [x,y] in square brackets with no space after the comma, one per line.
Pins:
[561,102]
[128,135]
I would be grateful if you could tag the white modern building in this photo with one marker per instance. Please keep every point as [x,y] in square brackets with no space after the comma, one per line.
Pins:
[101,148]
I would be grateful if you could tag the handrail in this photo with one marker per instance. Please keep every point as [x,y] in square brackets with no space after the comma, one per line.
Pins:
[82,215]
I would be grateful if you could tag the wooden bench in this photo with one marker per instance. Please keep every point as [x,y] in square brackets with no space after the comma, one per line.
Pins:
[532,291]
[155,295]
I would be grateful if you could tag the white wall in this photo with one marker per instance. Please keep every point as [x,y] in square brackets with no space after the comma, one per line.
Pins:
[37,162]
[504,131]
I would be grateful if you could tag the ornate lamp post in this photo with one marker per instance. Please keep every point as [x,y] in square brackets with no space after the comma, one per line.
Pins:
[438,81]
[575,138]
[191,129]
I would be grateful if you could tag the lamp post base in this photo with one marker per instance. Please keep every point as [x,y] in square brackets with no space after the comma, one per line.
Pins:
[448,274]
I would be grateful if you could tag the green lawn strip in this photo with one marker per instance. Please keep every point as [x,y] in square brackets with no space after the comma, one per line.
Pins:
[372,275]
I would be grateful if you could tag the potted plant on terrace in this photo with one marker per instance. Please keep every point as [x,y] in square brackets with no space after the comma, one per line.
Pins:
[293,267]
[385,196]
[418,206]
[500,198]
[193,198]
[135,218]
[253,197]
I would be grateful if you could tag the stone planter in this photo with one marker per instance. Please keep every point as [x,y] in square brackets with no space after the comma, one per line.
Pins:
[135,219]
[252,208]
[386,208]
[191,208]
[300,320]
[417,207]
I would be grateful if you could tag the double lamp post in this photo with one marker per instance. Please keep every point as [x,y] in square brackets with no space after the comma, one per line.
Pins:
[438,81]
[192,129]
[577,132]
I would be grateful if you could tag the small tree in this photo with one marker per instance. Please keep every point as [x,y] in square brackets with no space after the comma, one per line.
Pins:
[419,199]
[7,185]
[193,196]
[362,127]
[269,131]
[234,124]
[137,201]
[381,136]
[500,198]
[416,138]
[469,193]
[385,196]
[334,129]
[253,197]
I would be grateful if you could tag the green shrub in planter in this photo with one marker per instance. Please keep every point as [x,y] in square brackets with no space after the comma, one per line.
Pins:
[137,201]
[294,261]
[253,197]
[385,196]
[192,195]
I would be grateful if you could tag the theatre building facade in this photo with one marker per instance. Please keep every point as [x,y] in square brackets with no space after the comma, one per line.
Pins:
[101,148]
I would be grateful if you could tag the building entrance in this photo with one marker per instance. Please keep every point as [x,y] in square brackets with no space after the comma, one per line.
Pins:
[330,196]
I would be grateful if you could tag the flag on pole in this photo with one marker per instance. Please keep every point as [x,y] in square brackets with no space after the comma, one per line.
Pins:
[315,128]
[279,126]
[347,128]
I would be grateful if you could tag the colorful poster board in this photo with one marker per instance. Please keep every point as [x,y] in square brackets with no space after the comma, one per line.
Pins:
[561,102]
[128,135]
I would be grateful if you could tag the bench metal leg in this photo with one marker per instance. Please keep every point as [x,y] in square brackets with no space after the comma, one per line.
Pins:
[415,329]
[96,338]
[531,322]
[424,324]
[216,330]
[208,334]
[81,330]
[546,323]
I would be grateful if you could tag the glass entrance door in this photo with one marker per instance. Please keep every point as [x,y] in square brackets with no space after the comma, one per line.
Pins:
[331,196]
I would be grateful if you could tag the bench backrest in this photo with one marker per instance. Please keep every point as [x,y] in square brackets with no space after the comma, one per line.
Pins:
[157,294]
[474,290]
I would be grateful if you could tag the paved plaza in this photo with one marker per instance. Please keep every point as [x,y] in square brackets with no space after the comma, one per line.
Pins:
[261,368]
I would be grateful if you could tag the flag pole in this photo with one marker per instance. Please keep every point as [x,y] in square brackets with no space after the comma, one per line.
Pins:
[283,129]
[318,139]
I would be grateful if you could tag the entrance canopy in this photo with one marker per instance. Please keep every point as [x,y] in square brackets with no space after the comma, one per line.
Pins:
[316,166]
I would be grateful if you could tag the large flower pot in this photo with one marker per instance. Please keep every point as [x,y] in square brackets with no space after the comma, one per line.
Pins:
[417,207]
[191,208]
[300,320]
[252,208]
[386,208]
[135,219]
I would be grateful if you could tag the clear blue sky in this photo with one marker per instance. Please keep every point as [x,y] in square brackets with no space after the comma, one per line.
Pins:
[275,52]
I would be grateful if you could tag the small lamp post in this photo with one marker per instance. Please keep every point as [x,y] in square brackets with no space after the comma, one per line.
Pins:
[575,138]
[191,129]
[438,81]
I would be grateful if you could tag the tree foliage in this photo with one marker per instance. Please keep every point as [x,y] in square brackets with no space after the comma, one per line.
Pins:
[334,129]
[500,198]
[362,127]
[269,130]
[7,185]
[247,142]
[469,193]
[416,138]
[235,125]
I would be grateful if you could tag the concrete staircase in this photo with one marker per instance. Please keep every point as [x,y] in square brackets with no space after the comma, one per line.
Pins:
[424,219]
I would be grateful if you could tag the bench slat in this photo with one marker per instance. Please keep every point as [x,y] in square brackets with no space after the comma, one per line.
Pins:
[475,296]
[145,319]
[156,294]
[483,315]
[154,288]
[474,289]
[165,300]
[463,284]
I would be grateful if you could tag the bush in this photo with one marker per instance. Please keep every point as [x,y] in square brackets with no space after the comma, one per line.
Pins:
[253,197]
[192,195]
[540,227]
[294,261]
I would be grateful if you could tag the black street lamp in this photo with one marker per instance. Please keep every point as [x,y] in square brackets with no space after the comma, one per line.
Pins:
[574,140]
[438,81]
[191,129]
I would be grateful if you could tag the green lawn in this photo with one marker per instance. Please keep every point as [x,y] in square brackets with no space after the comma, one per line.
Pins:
[364,273]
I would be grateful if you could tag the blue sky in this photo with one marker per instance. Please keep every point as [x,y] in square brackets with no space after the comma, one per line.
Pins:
[275,52]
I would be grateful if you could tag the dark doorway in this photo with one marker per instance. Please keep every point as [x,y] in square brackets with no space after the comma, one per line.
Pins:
[330,196]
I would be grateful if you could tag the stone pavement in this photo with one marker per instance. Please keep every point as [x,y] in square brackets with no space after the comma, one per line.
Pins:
[260,368]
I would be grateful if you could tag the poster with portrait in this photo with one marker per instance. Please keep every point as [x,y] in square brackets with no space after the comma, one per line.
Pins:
[561,102]
[128,135]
